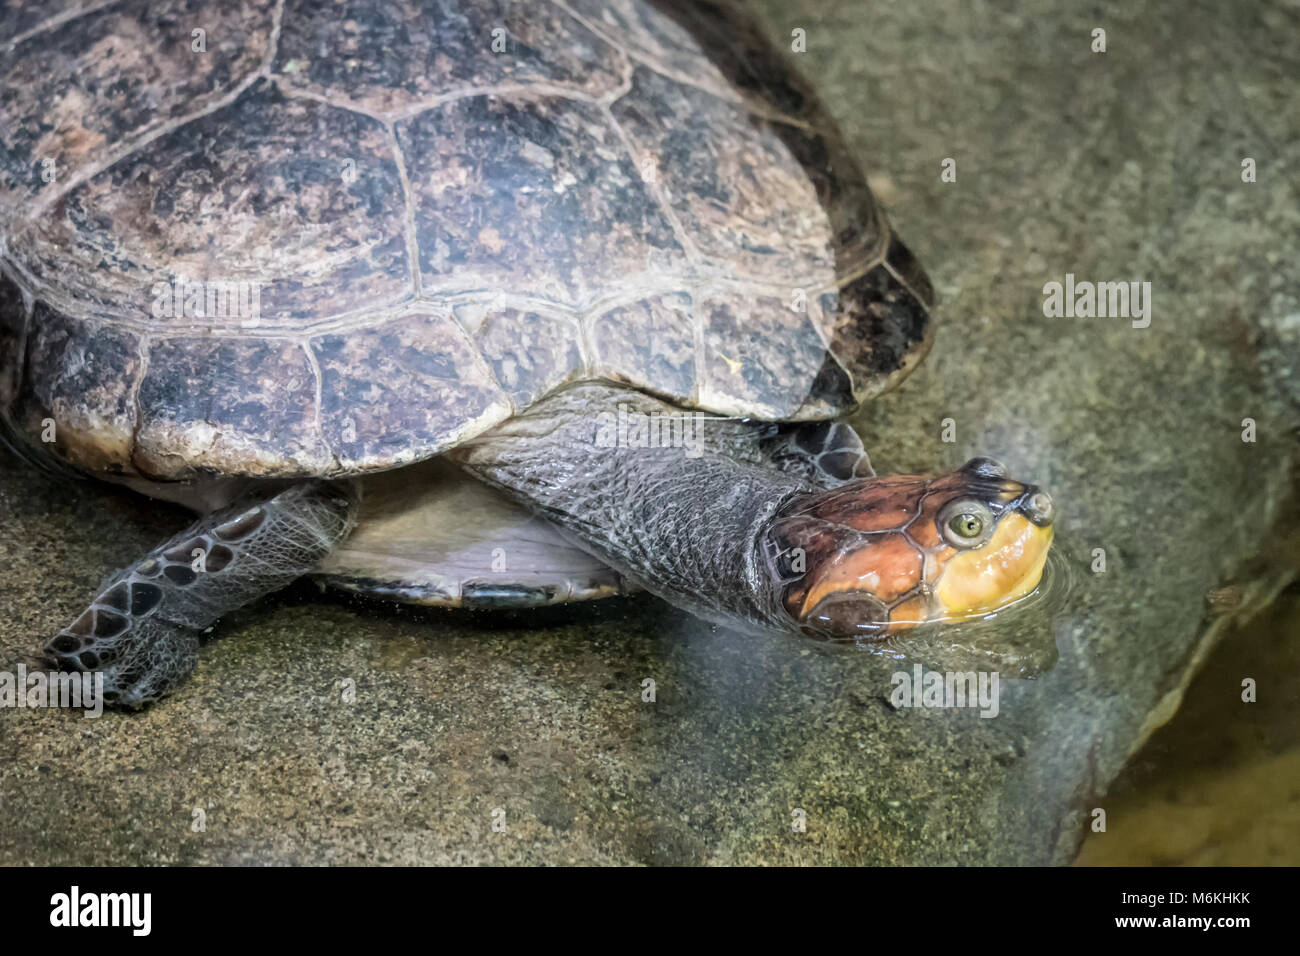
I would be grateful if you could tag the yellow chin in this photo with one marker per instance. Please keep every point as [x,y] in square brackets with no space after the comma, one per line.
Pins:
[1005,569]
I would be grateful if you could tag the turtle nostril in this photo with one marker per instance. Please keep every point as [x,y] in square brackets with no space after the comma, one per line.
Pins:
[1038,508]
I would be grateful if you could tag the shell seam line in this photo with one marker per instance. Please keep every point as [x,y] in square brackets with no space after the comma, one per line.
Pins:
[273,43]
[122,151]
[293,93]
[906,285]
[530,91]
[697,341]
[442,300]
[587,343]
[142,352]
[823,328]
[689,248]
[320,387]
[655,189]
[481,363]
[58,20]
[650,63]
[624,85]
[408,207]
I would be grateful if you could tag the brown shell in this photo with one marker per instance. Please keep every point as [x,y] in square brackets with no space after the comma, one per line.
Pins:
[342,237]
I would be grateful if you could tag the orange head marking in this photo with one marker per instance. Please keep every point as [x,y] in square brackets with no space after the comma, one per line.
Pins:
[883,554]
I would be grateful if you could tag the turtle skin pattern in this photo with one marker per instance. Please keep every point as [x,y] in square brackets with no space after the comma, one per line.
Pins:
[142,630]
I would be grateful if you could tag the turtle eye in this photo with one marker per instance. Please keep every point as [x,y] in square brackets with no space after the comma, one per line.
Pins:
[966,523]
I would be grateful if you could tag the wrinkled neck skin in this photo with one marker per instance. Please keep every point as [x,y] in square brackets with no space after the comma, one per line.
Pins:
[684,523]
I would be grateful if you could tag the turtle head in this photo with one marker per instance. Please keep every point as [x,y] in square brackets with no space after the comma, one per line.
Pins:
[883,554]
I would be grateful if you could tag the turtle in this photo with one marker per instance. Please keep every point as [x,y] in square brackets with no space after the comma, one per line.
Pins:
[482,303]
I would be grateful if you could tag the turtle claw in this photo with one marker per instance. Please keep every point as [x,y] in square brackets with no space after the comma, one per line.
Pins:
[140,664]
[141,632]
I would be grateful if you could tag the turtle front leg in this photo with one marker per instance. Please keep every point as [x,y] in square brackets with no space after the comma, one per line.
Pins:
[142,630]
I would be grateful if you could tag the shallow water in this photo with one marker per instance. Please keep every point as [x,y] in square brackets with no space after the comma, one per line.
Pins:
[1220,783]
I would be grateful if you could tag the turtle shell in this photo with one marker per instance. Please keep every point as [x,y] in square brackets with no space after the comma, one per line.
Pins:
[322,238]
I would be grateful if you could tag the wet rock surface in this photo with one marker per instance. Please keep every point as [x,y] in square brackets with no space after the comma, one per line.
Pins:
[1216,786]
[322,731]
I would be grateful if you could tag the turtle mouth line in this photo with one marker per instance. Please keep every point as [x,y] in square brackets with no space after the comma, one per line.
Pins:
[980,583]
[1029,580]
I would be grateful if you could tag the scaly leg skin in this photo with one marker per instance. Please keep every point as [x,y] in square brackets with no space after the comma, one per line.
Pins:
[828,454]
[142,630]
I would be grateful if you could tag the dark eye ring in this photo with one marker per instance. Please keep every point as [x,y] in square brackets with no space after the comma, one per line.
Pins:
[966,523]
